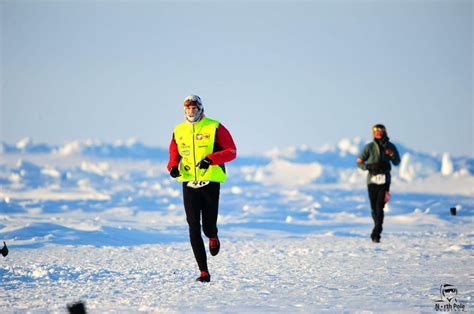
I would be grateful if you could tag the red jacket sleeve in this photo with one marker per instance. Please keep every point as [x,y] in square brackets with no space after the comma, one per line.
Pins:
[174,155]
[228,150]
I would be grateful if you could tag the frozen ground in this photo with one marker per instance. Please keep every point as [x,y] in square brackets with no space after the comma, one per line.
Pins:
[309,274]
[110,230]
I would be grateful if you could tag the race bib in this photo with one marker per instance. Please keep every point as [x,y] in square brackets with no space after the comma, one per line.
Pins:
[378,179]
[197,184]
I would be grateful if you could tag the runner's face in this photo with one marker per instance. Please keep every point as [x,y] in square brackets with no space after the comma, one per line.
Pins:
[378,133]
[191,110]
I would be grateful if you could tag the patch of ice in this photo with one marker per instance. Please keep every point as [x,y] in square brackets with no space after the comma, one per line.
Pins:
[82,226]
[347,146]
[83,183]
[287,152]
[447,167]
[14,177]
[454,248]
[128,142]
[249,208]
[437,184]
[353,176]
[326,148]
[236,190]
[156,187]
[286,173]
[92,142]
[63,194]
[39,272]
[69,149]
[50,171]
[407,171]
[100,168]
[316,205]
[172,192]
[23,143]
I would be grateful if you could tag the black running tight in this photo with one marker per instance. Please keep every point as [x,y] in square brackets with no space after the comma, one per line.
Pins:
[377,203]
[202,201]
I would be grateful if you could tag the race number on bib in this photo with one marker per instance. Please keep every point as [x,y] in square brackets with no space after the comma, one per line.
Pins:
[378,179]
[197,184]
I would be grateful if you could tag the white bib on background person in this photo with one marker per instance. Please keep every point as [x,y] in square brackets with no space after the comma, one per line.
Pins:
[378,179]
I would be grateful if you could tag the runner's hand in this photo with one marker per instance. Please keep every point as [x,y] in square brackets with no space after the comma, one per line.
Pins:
[204,164]
[389,152]
[174,172]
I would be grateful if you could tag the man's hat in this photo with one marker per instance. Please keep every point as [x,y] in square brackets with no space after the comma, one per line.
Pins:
[194,100]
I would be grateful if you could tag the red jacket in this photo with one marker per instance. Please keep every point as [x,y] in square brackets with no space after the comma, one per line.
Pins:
[224,143]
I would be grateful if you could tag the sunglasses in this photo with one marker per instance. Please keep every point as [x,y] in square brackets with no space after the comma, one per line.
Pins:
[191,103]
[450,290]
[378,130]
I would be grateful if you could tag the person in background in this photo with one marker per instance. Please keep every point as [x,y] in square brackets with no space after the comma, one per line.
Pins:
[376,157]
[198,150]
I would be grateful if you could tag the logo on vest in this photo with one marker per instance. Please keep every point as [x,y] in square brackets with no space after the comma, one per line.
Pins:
[200,137]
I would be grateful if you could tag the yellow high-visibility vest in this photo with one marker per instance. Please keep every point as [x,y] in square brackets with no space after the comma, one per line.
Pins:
[195,142]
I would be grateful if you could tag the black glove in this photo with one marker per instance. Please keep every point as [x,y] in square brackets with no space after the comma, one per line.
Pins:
[174,172]
[389,152]
[204,164]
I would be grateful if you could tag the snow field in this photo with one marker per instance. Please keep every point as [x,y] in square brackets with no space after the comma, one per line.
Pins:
[314,273]
[105,224]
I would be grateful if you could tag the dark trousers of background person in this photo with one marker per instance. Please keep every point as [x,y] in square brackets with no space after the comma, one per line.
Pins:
[205,201]
[377,203]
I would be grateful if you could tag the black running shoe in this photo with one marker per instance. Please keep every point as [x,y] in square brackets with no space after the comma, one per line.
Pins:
[214,246]
[205,277]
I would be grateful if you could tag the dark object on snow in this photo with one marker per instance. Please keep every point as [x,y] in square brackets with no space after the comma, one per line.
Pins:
[4,250]
[77,308]
[453,211]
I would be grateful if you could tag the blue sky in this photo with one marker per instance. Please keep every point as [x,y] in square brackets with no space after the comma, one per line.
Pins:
[274,73]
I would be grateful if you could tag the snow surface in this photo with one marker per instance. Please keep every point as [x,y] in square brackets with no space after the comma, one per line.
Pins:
[104,224]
